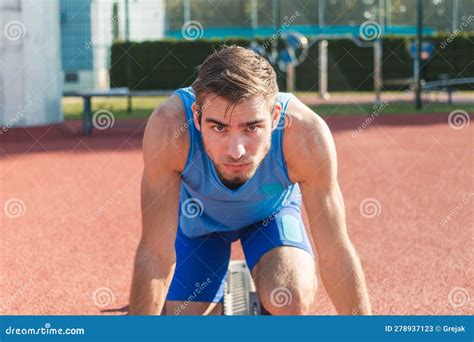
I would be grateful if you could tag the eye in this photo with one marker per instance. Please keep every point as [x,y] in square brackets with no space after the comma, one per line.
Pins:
[218,128]
[252,128]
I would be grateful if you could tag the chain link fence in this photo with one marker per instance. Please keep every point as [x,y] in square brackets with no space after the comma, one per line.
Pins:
[89,27]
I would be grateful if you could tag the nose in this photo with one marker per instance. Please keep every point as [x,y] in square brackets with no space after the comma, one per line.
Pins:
[236,148]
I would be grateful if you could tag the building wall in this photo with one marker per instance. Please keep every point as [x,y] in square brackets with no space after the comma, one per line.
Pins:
[30,65]
[76,45]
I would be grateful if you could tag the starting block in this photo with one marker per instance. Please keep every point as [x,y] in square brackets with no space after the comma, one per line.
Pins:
[240,293]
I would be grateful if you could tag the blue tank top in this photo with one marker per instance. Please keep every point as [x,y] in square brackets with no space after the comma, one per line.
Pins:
[206,205]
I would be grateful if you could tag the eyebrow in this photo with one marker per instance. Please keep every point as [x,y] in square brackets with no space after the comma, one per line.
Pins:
[244,124]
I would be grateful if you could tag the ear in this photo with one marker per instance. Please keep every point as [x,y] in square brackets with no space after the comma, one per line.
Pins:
[196,114]
[277,108]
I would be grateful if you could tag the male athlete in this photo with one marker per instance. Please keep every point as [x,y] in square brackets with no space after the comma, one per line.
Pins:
[229,159]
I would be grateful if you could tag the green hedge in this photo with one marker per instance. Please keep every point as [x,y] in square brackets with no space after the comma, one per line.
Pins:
[170,64]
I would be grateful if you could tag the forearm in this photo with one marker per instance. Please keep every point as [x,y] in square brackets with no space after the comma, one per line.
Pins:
[344,280]
[151,280]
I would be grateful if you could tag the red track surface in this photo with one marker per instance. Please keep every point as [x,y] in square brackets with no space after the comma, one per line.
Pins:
[64,246]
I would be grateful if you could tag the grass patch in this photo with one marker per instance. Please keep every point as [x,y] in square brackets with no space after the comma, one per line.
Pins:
[141,106]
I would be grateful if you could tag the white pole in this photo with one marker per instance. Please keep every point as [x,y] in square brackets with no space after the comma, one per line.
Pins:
[455,15]
[388,12]
[290,78]
[378,70]
[323,55]
[323,69]
[254,14]
[321,7]
[382,17]
[187,10]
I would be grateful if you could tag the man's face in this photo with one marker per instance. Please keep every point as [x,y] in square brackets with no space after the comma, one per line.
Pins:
[238,142]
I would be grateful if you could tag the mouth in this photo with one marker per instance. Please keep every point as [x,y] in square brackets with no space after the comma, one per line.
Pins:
[236,167]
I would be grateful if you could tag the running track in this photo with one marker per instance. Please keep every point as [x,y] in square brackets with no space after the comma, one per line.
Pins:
[78,222]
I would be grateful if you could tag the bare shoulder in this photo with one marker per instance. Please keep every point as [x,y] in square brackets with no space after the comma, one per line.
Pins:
[165,142]
[308,145]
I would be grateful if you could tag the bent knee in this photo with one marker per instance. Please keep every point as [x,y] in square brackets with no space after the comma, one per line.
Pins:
[289,300]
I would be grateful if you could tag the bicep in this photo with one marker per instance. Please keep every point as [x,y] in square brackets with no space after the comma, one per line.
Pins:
[322,197]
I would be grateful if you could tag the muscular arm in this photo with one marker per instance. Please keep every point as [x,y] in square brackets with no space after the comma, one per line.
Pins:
[155,257]
[312,161]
